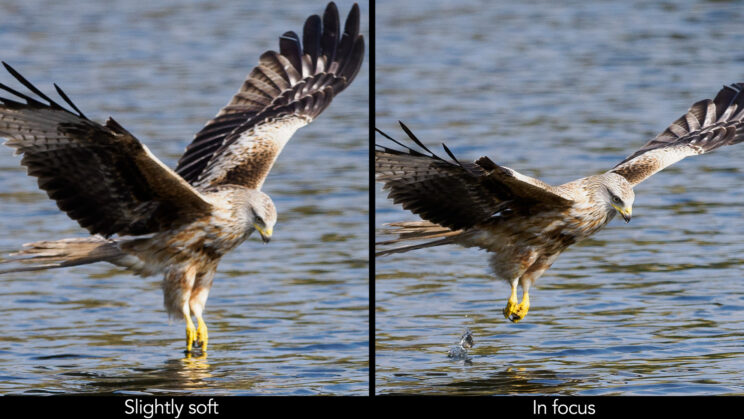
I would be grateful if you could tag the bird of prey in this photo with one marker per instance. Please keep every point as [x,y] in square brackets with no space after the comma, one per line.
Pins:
[523,222]
[151,219]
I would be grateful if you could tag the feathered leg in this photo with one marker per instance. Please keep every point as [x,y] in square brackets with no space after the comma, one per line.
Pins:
[198,300]
[177,285]
[519,311]
[521,274]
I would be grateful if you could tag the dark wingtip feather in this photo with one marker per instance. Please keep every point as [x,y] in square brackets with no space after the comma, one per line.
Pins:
[311,33]
[331,26]
[289,47]
[449,153]
[351,31]
[352,21]
[64,97]
[30,86]
[416,140]
[409,149]
[29,100]
[354,63]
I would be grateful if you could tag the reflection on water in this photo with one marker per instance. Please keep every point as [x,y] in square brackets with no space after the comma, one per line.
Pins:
[184,374]
[561,91]
[290,317]
[508,381]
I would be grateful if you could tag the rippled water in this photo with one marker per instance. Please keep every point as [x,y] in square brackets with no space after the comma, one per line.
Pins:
[561,90]
[287,318]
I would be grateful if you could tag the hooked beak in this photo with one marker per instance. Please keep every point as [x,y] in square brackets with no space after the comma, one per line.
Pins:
[626,216]
[627,213]
[265,234]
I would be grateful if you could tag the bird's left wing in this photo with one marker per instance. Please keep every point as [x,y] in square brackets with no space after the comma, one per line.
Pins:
[286,91]
[100,175]
[708,124]
[457,195]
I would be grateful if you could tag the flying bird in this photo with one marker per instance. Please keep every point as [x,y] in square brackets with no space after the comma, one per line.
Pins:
[524,223]
[151,219]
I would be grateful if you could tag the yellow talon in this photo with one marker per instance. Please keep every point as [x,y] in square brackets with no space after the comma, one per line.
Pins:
[190,334]
[201,334]
[516,312]
[511,304]
[521,311]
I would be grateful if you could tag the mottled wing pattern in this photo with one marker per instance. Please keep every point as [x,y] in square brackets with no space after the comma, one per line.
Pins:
[286,91]
[708,124]
[454,194]
[100,175]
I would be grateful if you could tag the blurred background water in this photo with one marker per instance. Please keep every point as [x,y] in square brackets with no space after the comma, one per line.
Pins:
[561,90]
[290,317]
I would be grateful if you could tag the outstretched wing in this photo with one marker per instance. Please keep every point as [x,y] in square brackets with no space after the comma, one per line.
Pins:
[100,175]
[454,194]
[286,91]
[708,124]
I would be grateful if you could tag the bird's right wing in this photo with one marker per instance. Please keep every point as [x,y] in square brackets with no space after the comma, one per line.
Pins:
[708,124]
[100,175]
[453,194]
[286,91]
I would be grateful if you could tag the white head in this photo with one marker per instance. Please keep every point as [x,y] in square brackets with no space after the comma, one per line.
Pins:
[262,214]
[617,194]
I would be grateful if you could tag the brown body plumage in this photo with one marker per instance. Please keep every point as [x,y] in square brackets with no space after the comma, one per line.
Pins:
[523,222]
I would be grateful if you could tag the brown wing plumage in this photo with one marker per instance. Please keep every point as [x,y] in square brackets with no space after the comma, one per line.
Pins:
[100,175]
[286,91]
[708,124]
[454,194]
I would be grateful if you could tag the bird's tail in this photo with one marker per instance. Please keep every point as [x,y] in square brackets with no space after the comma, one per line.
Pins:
[62,253]
[417,231]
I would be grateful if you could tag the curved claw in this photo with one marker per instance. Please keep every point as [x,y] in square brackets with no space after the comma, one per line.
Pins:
[520,311]
[516,312]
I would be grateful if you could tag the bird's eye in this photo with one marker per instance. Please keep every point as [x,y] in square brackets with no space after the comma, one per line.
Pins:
[257,218]
[616,200]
